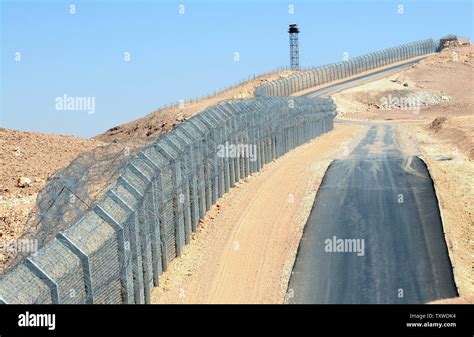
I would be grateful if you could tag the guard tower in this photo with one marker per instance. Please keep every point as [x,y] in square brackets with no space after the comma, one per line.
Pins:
[294,49]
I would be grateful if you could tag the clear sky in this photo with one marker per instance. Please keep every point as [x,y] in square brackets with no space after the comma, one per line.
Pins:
[50,49]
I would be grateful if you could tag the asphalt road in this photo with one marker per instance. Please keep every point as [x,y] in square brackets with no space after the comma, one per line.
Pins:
[374,234]
[331,89]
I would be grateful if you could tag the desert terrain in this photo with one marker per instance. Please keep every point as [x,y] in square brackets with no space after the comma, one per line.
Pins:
[225,264]
[431,104]
[29,159]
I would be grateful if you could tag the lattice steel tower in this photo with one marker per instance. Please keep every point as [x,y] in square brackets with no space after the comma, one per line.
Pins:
[294,49]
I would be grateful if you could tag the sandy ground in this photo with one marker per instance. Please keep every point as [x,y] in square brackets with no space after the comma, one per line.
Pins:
[454,184]
[441,85]
[442,125]
[243,251]
[35,156]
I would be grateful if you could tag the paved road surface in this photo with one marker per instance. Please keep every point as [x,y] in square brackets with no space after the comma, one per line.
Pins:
[332,89]
[386,199]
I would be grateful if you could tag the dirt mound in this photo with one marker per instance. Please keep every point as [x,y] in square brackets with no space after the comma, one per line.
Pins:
[458,131]
[35,156]
[163,120]
[27,160]
[459,53]
[453,42]
[390,95]
[437,123]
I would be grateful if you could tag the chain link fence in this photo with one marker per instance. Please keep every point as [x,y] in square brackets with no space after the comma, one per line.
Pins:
[132,215]
[332,72]
[116,252]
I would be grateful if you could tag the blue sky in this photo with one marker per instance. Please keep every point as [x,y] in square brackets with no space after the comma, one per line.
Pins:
[177,56]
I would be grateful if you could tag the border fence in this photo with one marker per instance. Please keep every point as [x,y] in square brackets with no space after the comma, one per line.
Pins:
[117,250]
[332,72]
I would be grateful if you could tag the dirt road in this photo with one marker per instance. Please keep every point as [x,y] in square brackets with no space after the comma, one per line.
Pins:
[374,234]
[244,250]
[442,125]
